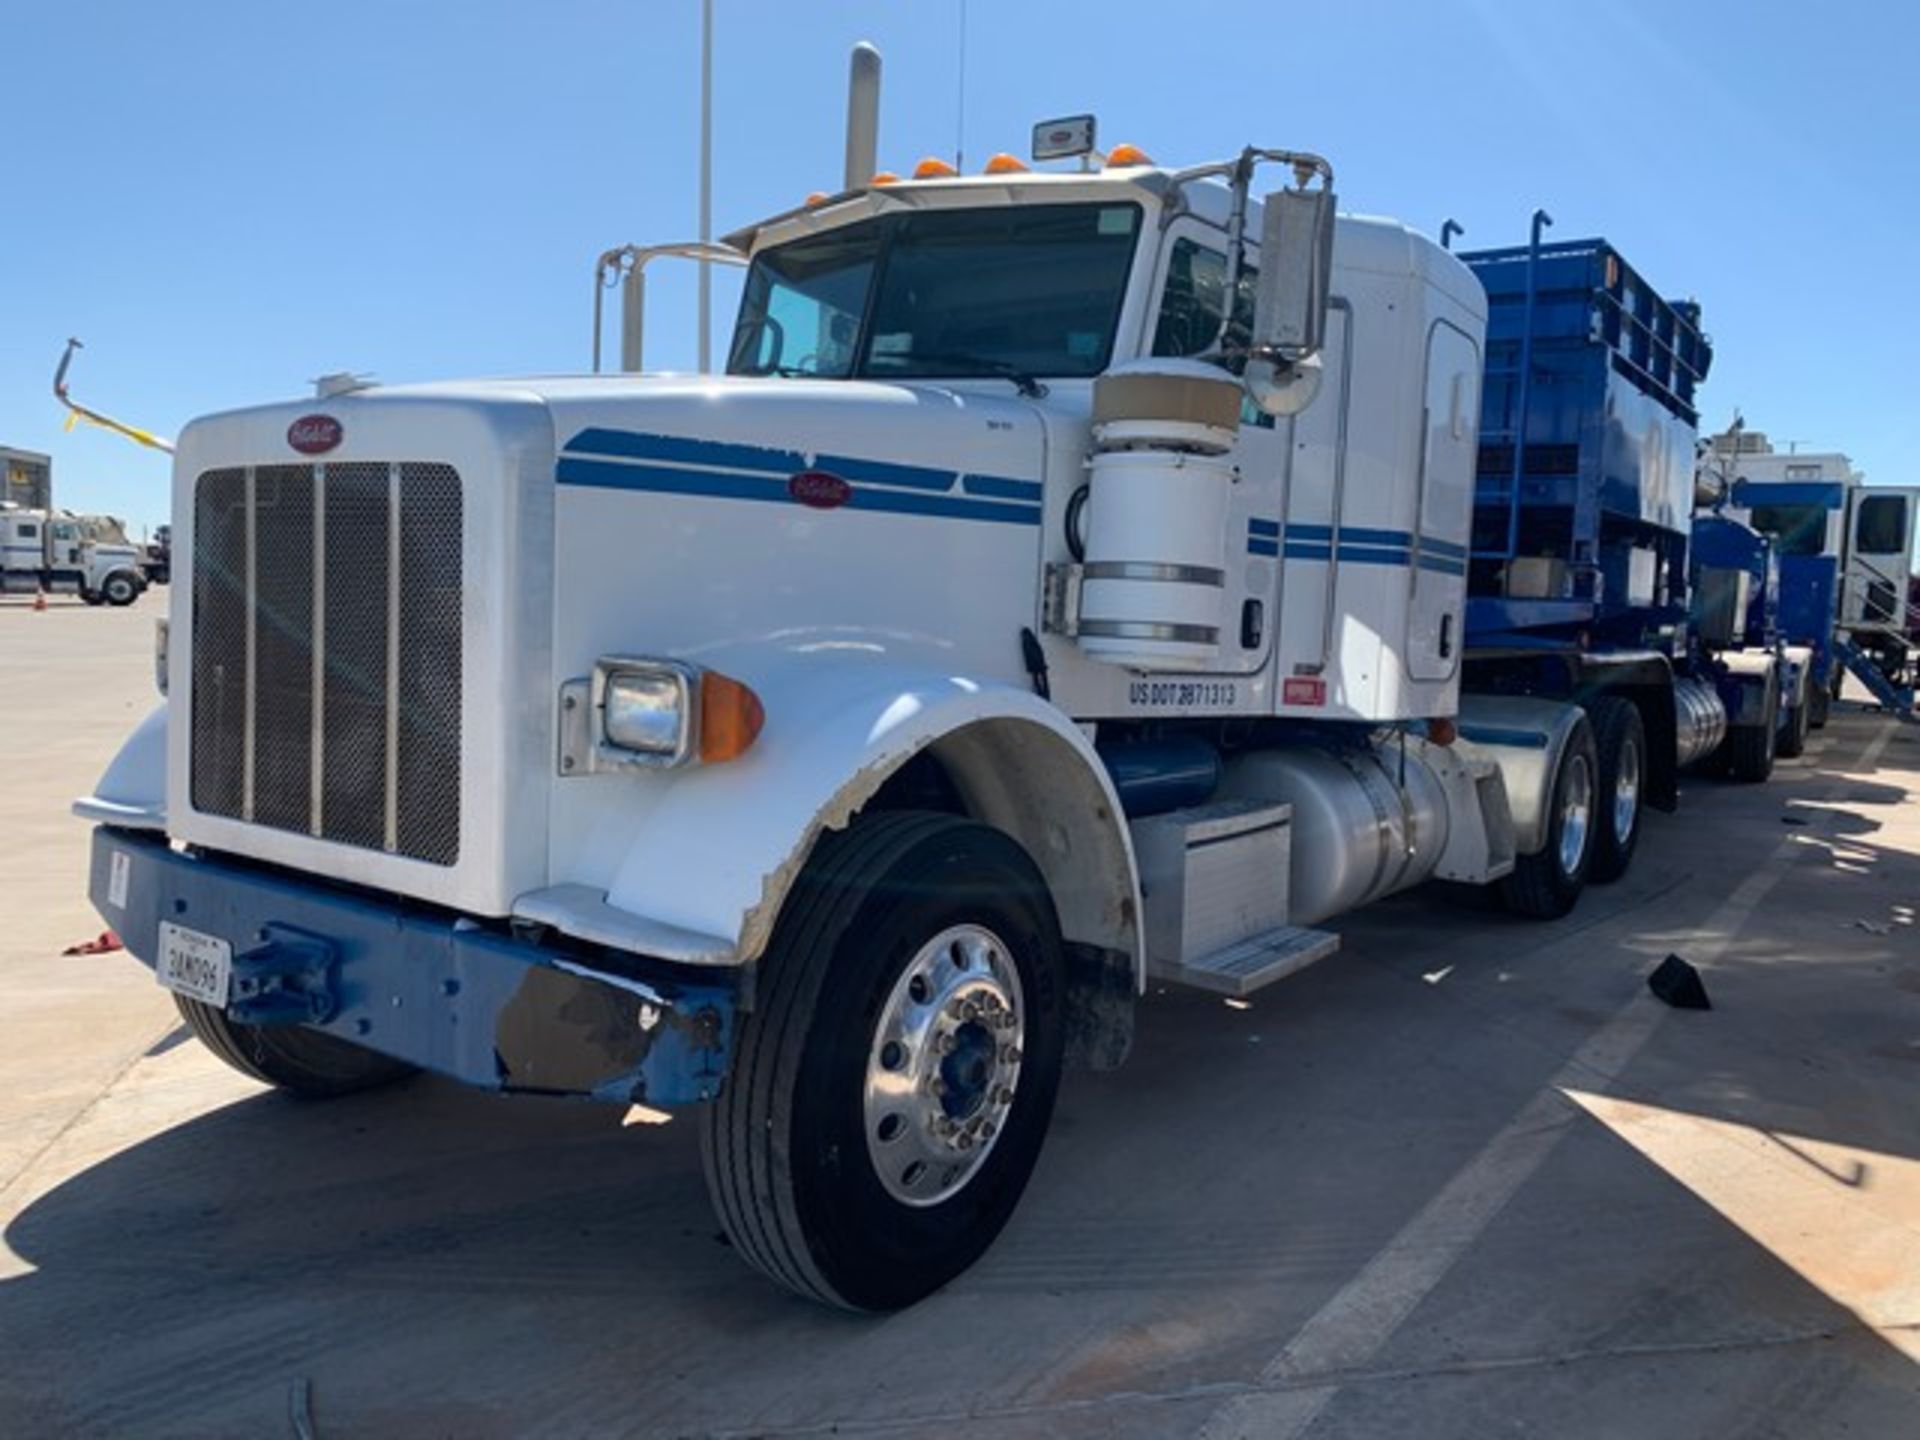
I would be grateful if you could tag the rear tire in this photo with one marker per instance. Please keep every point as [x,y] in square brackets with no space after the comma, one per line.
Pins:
[1546,885]
[1793,735]
[302,1062]
[1751,748]
[1620,745]
[1819,706]
[834,1154]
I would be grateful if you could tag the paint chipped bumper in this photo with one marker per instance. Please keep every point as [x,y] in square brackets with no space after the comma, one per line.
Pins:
[425,986]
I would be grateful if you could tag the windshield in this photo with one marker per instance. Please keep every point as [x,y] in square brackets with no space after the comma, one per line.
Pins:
[1027,290]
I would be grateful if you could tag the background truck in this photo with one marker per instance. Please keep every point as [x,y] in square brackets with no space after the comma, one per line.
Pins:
[56,552]
[1844,549]
[1066,585]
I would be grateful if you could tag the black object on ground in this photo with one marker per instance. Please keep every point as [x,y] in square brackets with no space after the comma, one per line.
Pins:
[1679,984]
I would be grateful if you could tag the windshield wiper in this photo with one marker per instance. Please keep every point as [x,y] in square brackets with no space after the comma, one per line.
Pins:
[1021,380]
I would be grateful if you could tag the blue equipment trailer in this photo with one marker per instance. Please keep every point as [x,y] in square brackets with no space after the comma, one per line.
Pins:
[1582,583]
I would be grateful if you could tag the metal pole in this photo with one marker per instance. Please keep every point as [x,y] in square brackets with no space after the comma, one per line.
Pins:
[706,183]
[1448,231]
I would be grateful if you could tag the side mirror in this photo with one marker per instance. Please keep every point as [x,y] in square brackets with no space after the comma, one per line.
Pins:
[1296,274]
[1291,300]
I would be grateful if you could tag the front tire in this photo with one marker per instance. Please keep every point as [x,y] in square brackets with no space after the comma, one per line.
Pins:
[119,589]
[1546,884]
[1620,745]
[302,1062]
[891,1089]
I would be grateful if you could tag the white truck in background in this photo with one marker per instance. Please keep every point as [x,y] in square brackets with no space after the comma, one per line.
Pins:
[838,745]
[54,552]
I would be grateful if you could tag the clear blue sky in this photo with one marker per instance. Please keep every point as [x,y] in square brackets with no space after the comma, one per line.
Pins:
[225,199]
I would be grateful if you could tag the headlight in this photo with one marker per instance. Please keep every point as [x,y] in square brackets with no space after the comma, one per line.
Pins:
[649,711]
[655,713]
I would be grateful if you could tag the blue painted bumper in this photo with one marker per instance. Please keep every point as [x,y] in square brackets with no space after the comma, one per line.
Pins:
[437,991]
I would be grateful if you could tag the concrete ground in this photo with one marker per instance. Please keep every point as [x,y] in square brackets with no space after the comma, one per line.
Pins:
[1467,1178]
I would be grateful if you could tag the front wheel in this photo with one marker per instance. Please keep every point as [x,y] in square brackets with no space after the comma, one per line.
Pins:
[119,589]
[891,1088]
[302,1062]
[1547,883]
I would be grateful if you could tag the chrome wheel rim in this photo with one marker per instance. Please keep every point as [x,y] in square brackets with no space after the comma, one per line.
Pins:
[1576,813]
[944,1065]
[1626,790]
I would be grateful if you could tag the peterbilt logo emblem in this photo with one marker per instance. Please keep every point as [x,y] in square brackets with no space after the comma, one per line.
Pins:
[819,489]
[314,434]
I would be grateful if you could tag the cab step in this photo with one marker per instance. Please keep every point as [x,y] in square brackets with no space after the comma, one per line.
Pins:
[1244,967]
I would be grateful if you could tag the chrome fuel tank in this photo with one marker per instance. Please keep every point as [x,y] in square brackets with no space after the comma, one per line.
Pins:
[1365,822]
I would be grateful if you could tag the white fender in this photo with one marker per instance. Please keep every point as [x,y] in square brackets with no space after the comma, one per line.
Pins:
[133,791]
[713,851]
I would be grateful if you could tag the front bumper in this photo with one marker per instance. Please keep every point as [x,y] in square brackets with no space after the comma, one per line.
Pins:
[443,993]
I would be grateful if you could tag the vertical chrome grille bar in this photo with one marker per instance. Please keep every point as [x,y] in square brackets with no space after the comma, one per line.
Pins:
[252,645]
[393,657]
[316,815]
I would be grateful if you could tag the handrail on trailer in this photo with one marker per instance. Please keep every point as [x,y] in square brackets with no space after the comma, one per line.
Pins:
[1541,220]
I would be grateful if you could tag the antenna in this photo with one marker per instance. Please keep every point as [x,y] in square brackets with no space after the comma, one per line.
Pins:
[960,100]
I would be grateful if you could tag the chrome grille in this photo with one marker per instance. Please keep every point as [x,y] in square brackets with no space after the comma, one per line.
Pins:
[326,652]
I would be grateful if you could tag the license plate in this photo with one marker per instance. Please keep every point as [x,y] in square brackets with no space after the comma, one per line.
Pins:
[194,964]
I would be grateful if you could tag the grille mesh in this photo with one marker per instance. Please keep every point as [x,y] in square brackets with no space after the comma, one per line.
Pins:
[220,640]
[319,576]
[353,803]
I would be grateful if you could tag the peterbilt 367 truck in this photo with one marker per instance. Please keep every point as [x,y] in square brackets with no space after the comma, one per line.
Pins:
[1065,586]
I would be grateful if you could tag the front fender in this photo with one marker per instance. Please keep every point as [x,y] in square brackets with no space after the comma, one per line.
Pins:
[133,792]
[717,849]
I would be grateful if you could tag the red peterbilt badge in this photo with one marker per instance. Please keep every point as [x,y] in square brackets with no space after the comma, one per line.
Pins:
[820,489]
[314,434]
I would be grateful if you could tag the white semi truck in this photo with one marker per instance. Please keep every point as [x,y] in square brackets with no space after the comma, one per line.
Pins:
[53,552]
[839,745]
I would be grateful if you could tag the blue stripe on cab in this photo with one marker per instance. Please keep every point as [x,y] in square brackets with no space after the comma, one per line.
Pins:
[903,502]
[682,450]
[1370,555]
[883,472]
[1001,487]
[1443,547]
[1258,546]
[666,480]
[1268,529]
[713,485]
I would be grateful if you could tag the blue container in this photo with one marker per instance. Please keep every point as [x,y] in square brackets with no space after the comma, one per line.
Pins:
[1588,430]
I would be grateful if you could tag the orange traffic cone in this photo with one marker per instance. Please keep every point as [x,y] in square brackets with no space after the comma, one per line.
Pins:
[40,598]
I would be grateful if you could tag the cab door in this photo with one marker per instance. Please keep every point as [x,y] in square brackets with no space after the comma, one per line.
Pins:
[64,545]
[1880,534]
[1450,419]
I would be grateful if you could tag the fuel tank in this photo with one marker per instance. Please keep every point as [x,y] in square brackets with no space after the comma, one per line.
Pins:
[1366,821]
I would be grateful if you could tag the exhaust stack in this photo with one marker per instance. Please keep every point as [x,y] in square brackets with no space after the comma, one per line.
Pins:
[863,115]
